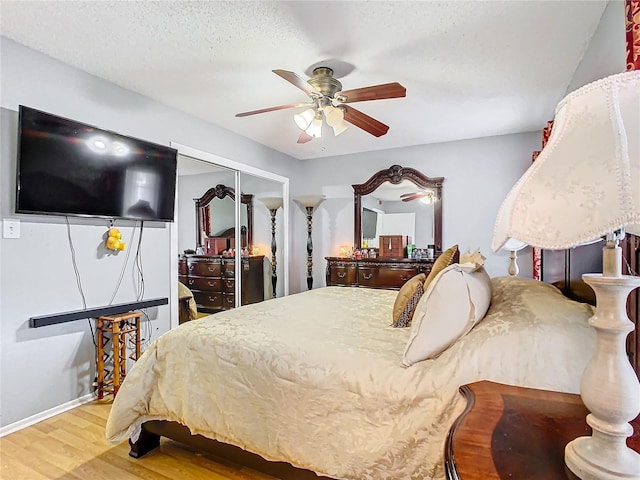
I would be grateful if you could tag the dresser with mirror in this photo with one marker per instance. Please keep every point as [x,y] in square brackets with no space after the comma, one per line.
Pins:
[396,211]
[210,272]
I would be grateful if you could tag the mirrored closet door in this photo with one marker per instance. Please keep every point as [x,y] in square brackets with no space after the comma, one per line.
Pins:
[229,249]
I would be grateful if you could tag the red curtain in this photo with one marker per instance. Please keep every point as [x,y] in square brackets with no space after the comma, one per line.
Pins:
[537,252]
[632,22]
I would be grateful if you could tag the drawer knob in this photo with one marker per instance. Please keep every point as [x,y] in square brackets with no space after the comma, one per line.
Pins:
[212,299]
[404,279]
[342,274]
[211,284]
[211,269]
[367,277]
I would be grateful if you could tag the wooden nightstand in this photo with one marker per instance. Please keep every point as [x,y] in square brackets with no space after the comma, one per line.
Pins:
[516,433]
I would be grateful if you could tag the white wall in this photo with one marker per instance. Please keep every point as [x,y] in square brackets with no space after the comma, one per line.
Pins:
[50,366]
[606,54]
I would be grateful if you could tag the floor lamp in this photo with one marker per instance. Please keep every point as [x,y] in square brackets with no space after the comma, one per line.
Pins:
[273,204]
[310,203]
[585,185]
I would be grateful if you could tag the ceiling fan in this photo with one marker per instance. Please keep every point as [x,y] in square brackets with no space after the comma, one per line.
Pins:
[329,101]
[426,196]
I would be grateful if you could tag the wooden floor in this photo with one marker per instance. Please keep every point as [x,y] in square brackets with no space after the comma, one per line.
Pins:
[72,446]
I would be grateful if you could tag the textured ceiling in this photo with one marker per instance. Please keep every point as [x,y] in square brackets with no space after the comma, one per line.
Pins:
[471,69]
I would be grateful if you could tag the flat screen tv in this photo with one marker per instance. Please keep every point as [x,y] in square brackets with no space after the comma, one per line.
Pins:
[69,168]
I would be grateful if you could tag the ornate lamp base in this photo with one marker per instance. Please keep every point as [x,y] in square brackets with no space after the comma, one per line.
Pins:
[609,389]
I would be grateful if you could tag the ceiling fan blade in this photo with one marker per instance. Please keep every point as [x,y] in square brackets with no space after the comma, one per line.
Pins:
[376,92]
[363,121]
[304,137]
[271,109]
[408,197]
[412,194]
[299,82]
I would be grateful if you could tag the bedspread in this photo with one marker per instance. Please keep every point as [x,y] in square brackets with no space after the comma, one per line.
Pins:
[315,378]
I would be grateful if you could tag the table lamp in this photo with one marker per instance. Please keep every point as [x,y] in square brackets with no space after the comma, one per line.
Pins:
[310,203]
[584,185]
[273,204]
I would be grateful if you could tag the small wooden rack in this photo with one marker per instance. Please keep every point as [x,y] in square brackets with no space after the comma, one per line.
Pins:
[117,330]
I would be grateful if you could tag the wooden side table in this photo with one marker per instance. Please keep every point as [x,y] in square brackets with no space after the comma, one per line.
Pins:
[516,433]
[118,330]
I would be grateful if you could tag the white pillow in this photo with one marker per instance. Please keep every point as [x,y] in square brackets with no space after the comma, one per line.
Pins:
[453,303]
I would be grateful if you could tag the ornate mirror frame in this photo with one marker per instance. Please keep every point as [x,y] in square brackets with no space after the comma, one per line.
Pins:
[221,191]
[396,174]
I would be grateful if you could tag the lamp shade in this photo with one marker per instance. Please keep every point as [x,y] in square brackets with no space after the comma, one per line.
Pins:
[303,119]
[272,203]
[586,181]
[311,201]
[335,119]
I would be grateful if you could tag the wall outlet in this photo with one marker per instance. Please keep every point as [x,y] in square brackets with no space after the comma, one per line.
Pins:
[10,228]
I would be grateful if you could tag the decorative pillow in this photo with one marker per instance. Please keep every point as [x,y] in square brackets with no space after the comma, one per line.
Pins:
[446,258]
[454,302]
[407,300]
[471,262]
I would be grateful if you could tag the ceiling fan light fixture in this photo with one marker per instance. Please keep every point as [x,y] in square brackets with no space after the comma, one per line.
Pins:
[315,129]
[305,119]
[335,119]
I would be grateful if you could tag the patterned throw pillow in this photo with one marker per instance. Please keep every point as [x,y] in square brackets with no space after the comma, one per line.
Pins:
[407,299]
[450,256]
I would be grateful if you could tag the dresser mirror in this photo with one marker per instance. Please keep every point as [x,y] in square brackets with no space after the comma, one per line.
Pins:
[215,225]
[398,201]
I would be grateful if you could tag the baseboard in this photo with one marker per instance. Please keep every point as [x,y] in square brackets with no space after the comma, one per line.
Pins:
[52,412]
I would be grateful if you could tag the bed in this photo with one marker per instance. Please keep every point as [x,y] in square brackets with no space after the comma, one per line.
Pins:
[315,381]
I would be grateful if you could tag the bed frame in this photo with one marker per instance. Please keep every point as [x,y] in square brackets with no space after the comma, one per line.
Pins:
[152,431]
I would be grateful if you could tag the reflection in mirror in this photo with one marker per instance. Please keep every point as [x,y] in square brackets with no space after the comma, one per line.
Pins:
[215,213]
[209,284]
[268,230]
[194,179]
[398,201]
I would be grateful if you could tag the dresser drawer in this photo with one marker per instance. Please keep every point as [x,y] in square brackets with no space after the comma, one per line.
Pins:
[229,268]
[182,279]
[228,285]
[228,301]
[343,275]
[208,299]
[204,268]
[385,277]
[204,283]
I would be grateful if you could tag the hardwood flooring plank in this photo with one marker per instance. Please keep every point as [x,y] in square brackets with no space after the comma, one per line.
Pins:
[72,446]
[14,453]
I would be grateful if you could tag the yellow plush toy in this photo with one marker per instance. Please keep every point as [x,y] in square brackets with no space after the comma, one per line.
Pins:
[113,240]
